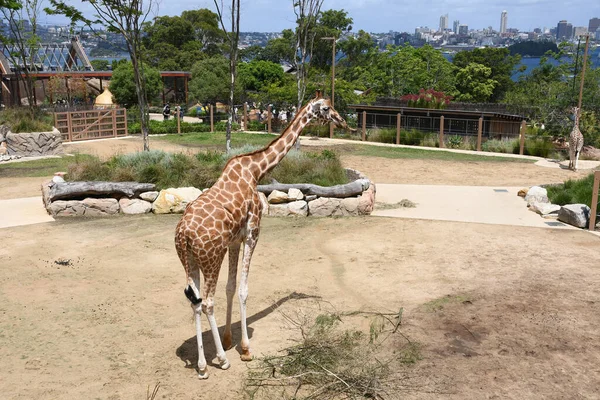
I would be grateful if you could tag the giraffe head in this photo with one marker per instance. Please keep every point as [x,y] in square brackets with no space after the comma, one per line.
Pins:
[575,111]
[323,110]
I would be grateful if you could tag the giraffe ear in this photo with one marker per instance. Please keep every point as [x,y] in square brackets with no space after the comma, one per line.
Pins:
[318,95]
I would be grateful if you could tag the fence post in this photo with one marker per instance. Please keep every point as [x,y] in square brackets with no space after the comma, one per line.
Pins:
[269,118]
[442,145]
[212,121]
[125,120]
[69,126]
[364,126]
[178,120]
[114,123]
[245,116]
[523,130]
[594,204]
[479,133]
[398,121]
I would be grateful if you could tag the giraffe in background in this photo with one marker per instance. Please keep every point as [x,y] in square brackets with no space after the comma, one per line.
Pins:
[575,141]
[224,218]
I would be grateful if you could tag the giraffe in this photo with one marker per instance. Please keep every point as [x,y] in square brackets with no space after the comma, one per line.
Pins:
[575,141]
[224,218]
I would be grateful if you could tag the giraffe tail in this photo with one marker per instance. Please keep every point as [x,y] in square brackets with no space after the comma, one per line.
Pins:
[181,245]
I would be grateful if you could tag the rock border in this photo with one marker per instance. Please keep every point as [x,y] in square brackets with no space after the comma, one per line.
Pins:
[29,144]
[292,203]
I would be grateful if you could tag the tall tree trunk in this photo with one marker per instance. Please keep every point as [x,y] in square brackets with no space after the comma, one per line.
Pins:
[140,84]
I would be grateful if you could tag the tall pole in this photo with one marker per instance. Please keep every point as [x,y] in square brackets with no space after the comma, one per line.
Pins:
[587,43]
[332,80]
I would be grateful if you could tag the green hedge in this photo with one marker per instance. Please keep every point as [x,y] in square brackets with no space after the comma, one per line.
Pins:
[170,126]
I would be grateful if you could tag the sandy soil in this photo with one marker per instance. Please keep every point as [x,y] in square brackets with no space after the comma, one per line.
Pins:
[93,308]
[115,320]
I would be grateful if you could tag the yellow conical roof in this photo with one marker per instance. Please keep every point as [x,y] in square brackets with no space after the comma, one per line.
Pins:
[104,99]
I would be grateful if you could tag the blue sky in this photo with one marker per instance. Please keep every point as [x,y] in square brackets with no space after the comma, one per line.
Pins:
[386,15]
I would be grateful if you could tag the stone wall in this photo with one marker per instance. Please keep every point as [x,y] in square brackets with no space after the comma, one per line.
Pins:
[34,144]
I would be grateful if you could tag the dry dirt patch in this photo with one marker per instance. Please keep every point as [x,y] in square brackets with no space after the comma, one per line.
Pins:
[95,308]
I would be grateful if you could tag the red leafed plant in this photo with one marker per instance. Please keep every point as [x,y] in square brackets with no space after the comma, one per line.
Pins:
[427,99]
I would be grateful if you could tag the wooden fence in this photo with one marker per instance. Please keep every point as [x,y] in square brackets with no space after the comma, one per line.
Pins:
[594,204]
[91,124]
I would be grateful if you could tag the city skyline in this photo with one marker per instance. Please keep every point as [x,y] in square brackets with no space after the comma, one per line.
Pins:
[380,16]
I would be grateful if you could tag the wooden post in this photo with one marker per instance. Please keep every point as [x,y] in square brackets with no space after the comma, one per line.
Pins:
[178,111]
[479,133]
[269,118]
[522,137]
[364,126]
[398,123]
[69,126]
[125,120]
[114,123]
[594,204]
[185,83]
[442,145]
[245,116]
[212,121]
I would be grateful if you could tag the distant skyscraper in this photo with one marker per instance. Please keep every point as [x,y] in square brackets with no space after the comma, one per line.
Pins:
[579,31]
[463,30]
[503,21]
[455,26]
[443,22]
[564,30]
[594,25]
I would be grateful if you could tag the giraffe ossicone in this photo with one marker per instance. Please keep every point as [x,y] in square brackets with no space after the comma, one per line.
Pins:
[226,218]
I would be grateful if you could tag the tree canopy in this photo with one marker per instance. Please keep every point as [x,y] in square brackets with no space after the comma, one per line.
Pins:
[122,84]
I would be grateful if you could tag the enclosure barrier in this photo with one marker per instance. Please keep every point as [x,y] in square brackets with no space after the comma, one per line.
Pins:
[594,204]
[91,124]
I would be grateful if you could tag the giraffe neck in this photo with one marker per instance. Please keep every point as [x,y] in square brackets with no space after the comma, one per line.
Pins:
[267,158]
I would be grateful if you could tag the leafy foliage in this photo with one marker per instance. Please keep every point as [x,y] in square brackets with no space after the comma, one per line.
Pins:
[573,191]
[122,83]
[20,119]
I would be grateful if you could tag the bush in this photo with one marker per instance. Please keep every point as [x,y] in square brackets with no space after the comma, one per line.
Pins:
[381,135]
[170,126]
[256,126]
[573,191]
[324,168]
[500,146]
[19,119]
[455,141]
[412,137]
[539,147]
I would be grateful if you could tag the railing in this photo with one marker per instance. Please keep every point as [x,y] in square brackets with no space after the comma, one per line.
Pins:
[91,124]
[594,208]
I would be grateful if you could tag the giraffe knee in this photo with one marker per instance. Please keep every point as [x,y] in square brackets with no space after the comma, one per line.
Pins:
[191,295]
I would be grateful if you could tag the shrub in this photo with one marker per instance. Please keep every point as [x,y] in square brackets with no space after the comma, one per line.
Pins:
[500,146]
[324,168]
[19,119]
[573,191]
[539,147]
[455,141]
[412,137]
[256,126]
[381,135]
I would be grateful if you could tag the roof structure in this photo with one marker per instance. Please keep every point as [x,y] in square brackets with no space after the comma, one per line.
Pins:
[48,57]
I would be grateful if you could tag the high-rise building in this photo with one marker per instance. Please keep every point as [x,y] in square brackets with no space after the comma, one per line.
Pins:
[455,26]
[594,25]
[579,31]
[443,22]
[503,21]
[463,30]
[564,30]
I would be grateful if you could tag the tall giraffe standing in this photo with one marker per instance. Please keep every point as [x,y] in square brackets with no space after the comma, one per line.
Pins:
[227,216]
[575,142]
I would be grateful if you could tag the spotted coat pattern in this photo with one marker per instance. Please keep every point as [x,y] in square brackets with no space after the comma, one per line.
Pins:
[575,141]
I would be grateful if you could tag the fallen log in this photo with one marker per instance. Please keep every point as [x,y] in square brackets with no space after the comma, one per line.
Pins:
[81,190]
[351,189]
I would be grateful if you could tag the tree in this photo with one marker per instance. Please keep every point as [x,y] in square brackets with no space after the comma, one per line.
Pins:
[122,84]
[473,83]
[331,23]
[209,80]
[100,65]
[127,18]
[255,75]
[233,37]
[23,42]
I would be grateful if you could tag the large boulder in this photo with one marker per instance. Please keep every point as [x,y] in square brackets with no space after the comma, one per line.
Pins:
[149,196]
[174,200]
[88,207]
[575,214]
[265,203]
[366,201]
[294,208]
[536,194]
[295,194]
[545,209]
[134,206]
[278,197]
[34,144]
[324,206]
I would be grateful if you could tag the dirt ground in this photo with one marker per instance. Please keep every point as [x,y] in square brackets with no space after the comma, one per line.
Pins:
[94,308]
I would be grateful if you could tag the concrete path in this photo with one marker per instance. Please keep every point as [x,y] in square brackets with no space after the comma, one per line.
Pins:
[24,211]
[478,204]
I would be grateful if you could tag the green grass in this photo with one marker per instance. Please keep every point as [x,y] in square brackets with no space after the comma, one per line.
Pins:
[573,191]
[20,119]
[39,168]
[422,153]
[217,139]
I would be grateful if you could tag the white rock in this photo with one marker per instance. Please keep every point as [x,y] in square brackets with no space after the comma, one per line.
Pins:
[149,196]
[278,197]
[264,202]
[536,194]
[575,214]
[295,194]
[279,210]
[324,207]
[57,179]
[174,200]
[349,206]
[310,197]
[134,206]
[299,207]
[544,208]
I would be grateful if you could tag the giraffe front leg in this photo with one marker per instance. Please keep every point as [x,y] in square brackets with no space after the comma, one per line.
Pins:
[209,309]
[249,246]
[234,252]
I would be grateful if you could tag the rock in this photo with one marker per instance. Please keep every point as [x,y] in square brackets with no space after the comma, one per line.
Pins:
[279,210]
[134,206]
[4,130]
[61,174]
[88,207]
[174,200]
[149,196]
[295,194]
[264,202]
[311,197]
[522,192]
[575,214]
[536,194]
[544,208]
[366,201]
[299,207]
[3,149]
[57,179]
[34,144]
[278,197]
[349,206]
[324,207]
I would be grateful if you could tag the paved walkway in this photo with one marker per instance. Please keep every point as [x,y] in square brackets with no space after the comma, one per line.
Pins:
[478,204]
[24,211]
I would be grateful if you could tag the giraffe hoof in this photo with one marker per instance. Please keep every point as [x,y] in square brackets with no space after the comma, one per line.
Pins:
[246,356]
[227,342]
[203,374]
[225,364]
